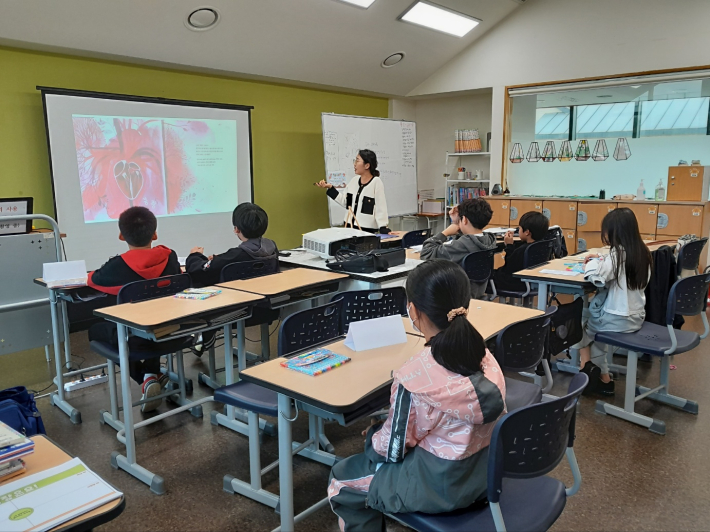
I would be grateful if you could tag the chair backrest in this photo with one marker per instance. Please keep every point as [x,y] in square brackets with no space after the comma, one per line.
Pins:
[687,296]
[531,441]
[689,255]
[566,326]
[537,253]
[559,248]
[521,346]
[479,265]
[369,304]
[248,269]
[415,238]
[152,288]
[310,327]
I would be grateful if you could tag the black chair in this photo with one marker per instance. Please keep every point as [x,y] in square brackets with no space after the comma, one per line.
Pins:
[370,304]
[687,298]
[415,238]
[479,269]
[141,291]
[302,330]
[535,254]
[520,348]
[525,446]
[559,247]
[689,256]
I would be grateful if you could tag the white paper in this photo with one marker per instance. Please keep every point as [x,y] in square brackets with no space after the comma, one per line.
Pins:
[561,272]
[44,500]
[497,230]
[71,273]
[182,260]
[378,332]
[417,248]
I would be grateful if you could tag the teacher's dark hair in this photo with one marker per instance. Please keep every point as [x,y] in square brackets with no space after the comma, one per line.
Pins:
[435,288]
[369,157]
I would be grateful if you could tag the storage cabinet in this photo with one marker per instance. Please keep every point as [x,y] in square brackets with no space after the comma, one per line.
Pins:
[688,183]
[562,213]
[679,220]
[501,211]
[590,215]
[520,207]
[646,214]
[588,240]
[570,236]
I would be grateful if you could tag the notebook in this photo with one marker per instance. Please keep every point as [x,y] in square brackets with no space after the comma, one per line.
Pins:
[315,362]
[198,293]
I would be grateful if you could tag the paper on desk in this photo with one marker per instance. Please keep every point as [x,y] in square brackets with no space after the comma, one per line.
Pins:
[182,261]
[418,248]
[497,230]
[44,500]
[561,272]
[58,274]
[378,332]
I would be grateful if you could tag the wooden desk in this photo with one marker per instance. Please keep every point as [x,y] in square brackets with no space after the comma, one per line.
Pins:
[488,317]
[47,455]
[287,281]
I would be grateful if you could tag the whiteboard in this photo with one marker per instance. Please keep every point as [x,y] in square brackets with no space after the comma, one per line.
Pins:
[395,144]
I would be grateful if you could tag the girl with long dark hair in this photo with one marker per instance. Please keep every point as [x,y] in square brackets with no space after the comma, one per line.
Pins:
[431,454]
[621,277]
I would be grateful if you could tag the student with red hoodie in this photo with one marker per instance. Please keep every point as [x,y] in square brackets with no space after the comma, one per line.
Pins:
[137,226]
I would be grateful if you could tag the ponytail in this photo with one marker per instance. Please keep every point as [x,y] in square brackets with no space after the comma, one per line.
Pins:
[441,290]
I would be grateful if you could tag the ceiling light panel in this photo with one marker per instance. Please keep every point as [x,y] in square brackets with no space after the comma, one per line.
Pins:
[360,3]
[440,19]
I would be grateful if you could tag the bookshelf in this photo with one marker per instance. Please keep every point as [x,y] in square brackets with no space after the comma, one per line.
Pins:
[457,160]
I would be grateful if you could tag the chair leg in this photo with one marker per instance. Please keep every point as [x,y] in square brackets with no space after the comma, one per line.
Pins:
[312,450]
[210,379]
[265,347]
[627,413]
[180,398]
[661,394]
[112,418]
[323,440]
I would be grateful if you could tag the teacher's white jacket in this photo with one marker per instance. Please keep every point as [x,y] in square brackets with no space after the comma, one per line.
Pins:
[367,201]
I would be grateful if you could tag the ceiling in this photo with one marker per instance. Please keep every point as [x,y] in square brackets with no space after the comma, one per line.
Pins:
[323,43]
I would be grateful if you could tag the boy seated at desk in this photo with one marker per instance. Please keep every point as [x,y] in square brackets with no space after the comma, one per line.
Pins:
[469,219]
[137,228]
[250,223]
[533,227]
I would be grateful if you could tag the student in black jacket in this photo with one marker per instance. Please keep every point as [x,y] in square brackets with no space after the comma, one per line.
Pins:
[533,227]
[137,226]
[250,223]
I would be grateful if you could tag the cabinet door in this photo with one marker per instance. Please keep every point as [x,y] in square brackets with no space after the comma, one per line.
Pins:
[589,239]
[570,236]
[646,215]
[520,207]
[591,215]
[679,220]
[501,211]
[685,183]
[562,213]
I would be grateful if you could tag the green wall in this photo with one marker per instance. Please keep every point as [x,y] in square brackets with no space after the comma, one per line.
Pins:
[287,140]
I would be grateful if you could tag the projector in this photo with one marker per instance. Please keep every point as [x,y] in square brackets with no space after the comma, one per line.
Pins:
[326,242]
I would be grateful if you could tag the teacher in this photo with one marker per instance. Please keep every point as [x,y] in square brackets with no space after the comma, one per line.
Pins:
[365,195]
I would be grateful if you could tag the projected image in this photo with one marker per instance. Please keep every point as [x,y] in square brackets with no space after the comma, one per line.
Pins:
[172,166]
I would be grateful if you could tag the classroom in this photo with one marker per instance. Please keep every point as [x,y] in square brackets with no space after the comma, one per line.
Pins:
[431,265]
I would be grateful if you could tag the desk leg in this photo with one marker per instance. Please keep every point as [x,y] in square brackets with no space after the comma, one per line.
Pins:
[542,296]
[128,463]
[57,398]
[67,341]
[285,464]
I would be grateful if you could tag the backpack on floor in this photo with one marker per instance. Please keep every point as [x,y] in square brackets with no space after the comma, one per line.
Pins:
[19,411]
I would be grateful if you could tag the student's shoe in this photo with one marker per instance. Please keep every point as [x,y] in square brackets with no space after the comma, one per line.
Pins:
[594,374]
[205,342]
[605,388]
[163,380]
[151,388]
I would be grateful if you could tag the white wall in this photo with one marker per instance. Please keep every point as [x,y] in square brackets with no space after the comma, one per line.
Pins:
[556,40]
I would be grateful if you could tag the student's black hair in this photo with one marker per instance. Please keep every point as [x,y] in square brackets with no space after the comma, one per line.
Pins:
[477,211]
[369,157]
[137,225]
[250,219]
[436,287]
[620,231]
[535,222]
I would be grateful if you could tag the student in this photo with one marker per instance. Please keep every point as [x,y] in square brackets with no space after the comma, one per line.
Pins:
[137,226]
[250,223]
[533,227]
[621,277]
[469,218]
[431,454]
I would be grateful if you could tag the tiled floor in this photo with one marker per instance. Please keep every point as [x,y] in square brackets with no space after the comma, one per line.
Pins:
[632,479]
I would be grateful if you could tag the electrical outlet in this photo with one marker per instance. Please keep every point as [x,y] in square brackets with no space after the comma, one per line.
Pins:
[89,381]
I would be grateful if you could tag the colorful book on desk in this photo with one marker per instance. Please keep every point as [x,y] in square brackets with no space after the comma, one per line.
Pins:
[315,362]
[198,293]
[17,451]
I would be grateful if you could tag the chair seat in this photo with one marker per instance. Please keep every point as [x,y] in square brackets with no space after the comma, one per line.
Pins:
[261,316]
[110,351]
[249,396]
[651,339]
[520,393]
[526,504]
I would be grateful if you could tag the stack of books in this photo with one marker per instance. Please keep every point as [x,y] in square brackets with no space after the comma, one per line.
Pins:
[458,194]
[13,446]
[467,141]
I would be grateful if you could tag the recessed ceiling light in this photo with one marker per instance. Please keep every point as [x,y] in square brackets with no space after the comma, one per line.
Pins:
[202,18]
[440,19]
[635,86]
[392,60]
[360,3]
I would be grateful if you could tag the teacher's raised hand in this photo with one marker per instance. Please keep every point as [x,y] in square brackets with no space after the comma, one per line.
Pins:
[323,184]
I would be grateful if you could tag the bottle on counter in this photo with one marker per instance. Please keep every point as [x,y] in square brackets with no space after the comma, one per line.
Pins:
[660,191]
[641,192]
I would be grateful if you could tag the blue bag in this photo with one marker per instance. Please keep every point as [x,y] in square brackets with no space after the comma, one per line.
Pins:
[19,411]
